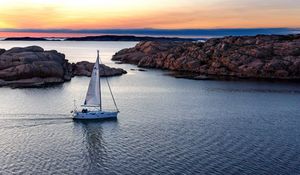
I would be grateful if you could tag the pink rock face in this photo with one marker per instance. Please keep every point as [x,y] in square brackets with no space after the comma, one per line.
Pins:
[262,56]
[256,64]
[2,51]
[29,62]
[281,73]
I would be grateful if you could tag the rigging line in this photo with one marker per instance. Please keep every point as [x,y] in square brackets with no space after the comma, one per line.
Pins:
[109,86]
[112,94]
[98,58]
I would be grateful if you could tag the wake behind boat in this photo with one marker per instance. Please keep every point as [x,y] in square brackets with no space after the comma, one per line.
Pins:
[92,108]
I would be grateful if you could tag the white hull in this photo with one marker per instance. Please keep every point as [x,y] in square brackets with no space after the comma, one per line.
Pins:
[92,115]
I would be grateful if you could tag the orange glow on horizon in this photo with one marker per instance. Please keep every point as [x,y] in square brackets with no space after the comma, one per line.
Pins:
[35,34]
[168,14]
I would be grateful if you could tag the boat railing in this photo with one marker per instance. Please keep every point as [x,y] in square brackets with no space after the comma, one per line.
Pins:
[97,109]
[110,110]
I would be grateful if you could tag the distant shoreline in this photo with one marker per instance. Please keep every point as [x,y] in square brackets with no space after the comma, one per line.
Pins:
[103,38]
[137,34]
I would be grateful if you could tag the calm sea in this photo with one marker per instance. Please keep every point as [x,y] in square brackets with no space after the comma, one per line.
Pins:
[166,125]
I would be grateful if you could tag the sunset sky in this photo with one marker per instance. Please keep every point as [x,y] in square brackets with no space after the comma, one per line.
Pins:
[167,14]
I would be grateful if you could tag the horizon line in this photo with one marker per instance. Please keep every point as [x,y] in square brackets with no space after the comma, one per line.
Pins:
[160,32]
[139,29]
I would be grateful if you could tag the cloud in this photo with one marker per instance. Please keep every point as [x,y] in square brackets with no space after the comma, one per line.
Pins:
[95,14]
[34,16]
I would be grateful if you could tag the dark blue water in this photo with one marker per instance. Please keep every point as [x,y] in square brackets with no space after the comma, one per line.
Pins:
[166,126]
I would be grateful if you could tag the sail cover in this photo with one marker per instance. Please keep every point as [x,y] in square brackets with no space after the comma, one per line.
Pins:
[93,96]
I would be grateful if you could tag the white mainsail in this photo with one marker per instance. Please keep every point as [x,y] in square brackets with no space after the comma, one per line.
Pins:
[93,96]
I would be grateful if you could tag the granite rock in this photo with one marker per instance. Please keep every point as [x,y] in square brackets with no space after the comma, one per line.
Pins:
[259,57]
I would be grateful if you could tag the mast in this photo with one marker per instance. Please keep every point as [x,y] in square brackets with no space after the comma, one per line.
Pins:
[113,98]
[100,106]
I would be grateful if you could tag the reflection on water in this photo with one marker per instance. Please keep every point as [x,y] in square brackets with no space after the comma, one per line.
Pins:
[94,142]
[166,125]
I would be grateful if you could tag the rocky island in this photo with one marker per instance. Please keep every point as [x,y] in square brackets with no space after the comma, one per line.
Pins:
[257,57]
[34,67]
[102,38]
[126,38]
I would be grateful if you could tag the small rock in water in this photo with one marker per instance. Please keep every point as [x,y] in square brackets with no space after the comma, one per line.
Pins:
[203,77]
[118,62]
[142,70]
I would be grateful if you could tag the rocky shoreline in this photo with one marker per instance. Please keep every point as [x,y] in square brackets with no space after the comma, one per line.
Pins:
[275,57]
[34,67]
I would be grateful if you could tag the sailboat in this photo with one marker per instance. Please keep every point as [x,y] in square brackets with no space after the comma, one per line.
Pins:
[92,107]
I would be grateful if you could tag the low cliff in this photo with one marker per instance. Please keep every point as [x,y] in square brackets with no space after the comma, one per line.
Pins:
[259,57]
[34,67]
